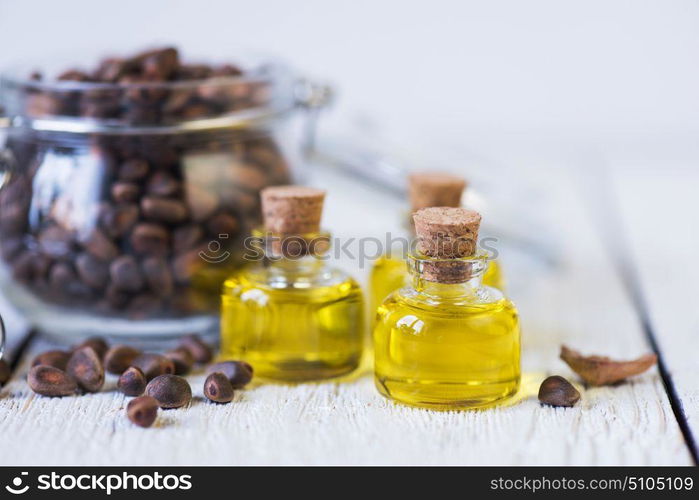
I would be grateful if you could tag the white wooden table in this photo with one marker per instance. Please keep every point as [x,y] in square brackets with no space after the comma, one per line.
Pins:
[622,283]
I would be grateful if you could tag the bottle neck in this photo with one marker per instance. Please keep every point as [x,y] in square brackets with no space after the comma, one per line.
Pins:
[446,290]
[447,277]
[308,264]
[289,258]
[292,250]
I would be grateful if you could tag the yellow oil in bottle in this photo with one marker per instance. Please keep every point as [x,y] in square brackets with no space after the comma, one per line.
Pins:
[390,273]
[293,321]
[447,346]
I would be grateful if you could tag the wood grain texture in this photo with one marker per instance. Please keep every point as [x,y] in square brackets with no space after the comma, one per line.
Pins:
[664,205]
[581,303]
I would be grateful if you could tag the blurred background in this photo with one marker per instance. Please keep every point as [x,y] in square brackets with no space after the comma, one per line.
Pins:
[511,81]
[507,93]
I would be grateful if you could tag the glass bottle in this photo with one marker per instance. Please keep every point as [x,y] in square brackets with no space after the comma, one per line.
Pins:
[447,344]
[425,189]
[290,315]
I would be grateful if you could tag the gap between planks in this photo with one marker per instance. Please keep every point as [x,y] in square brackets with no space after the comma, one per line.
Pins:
[615,240]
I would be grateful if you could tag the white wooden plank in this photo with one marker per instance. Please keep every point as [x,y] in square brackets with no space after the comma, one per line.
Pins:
[582,304]
[660,214]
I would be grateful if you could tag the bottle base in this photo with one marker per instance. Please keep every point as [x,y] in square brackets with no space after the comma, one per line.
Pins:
[443,396]
[298,370]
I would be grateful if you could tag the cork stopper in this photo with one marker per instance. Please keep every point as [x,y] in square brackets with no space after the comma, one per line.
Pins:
[292,209]
[435,189]
[448,234]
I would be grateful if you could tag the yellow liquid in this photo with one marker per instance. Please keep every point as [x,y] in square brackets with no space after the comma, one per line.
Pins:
[389,274]
[296,333]
[446,353]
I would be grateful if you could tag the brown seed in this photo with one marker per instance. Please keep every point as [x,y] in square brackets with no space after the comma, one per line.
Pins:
[85,366]
[201,352]
[163,209]
[126,274]
[142,411]
[182,359]
[132,382]
[601,370]
[11,248]
[99,245]
[50,381]
[133,170]
[116,298]
[186,237]
[171,391]
[62,276]
[99,344]
[557,391]
[239,373]
[158,276]
[93,271]
[119,358]
[153,365]
[150,239]
[163,184]
[57,359]
[5,372]
[143,306]
[119,220]
[123,192]
[187,265]
[223,224]
[218,388]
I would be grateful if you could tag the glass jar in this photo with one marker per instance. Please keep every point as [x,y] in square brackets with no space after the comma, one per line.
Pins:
[123,206]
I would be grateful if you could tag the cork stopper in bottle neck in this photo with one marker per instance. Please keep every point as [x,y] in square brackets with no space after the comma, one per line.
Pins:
[292,214]
[446,237]
[435,189]
[292,209]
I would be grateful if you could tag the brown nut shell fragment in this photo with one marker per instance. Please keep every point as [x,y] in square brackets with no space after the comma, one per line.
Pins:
[132,382]
[557,391]
[86,368]
[217,388]
[50,381]
[200,350]
[142,411]
[153,365]
[182,359]
[171,391]
[239,373]
[57,359]
[119,358]
[99,344]
[601,370]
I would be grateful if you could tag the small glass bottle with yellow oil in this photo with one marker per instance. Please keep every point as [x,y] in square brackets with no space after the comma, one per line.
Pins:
[447,341]
[425,189]
[291,316]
